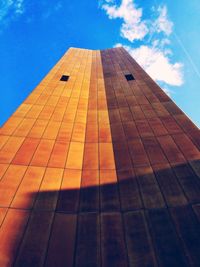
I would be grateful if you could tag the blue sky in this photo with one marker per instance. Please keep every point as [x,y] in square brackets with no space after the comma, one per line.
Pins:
[163,36]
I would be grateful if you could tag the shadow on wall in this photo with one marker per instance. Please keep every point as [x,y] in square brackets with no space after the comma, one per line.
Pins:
[144,214]
[142,220]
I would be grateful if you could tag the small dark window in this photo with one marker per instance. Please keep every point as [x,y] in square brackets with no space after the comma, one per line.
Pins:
[64,78]
[129,77]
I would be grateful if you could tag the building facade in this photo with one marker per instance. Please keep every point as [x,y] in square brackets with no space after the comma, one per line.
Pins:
[99,167]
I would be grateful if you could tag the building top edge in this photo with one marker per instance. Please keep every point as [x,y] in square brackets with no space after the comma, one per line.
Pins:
[110,48]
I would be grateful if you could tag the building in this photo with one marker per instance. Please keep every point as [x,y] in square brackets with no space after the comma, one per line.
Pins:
[98,167]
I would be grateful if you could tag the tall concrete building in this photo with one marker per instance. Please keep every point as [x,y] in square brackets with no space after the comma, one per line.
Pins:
[98,167]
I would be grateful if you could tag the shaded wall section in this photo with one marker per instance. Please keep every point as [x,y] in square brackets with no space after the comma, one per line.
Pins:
[99,171]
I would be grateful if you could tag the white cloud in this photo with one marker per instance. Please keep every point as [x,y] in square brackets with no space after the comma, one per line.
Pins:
[133,27]
[158,65]
[154,54]
[162,23]
[118,45]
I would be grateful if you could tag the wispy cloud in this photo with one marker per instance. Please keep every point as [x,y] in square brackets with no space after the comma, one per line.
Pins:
[51,9]
[10,9]
[153,52]
[133,27]
[163,23]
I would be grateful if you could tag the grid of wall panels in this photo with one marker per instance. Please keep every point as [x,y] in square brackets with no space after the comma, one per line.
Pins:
[157,157]
[99,171]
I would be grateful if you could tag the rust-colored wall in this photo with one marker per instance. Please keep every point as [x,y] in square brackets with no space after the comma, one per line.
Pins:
[99,171]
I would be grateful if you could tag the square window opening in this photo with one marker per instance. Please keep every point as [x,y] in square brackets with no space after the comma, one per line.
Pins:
[129,77]
[64,78]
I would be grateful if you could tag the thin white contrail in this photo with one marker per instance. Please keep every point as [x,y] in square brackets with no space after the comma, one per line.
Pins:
[184,50]
[187,54]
